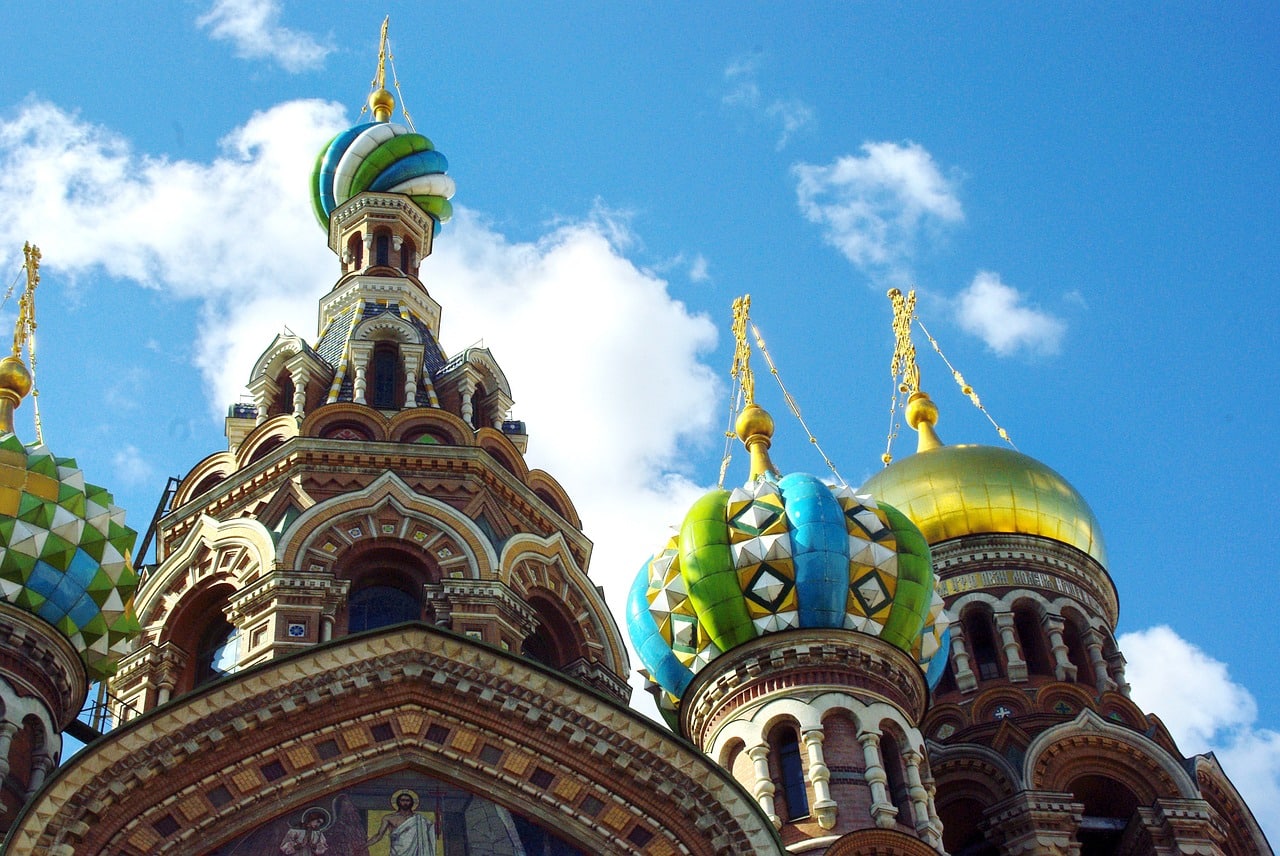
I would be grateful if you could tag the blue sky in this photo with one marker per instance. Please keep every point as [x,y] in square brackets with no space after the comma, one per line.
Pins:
[1086,197]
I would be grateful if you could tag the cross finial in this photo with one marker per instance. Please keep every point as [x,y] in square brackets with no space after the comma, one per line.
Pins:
[904,351]
[741,370]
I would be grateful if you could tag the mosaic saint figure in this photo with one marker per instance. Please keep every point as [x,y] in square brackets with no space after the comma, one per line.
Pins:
[412,834]
[309,840]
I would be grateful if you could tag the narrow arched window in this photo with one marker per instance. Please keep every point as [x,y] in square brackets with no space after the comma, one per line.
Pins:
[891,756]
[791,769]
[382,249]
[979,631]
[1076,652]
[406,256]
[386,359]
[1031,636]
[355,250]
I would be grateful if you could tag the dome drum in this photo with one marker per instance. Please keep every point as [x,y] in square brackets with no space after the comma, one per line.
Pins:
[810,661]
[41,664]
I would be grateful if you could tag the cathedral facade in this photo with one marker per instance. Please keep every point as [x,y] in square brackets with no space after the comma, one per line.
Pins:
[370,628]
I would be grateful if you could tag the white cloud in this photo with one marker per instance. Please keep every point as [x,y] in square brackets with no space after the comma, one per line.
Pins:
[253,26]
[790,114]
[996,313]
[131,467]
[699,269]
[874,206]
[1205,710]
[604,363]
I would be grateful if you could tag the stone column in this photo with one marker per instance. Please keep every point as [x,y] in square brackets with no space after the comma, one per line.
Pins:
[1063,668]
[824,807]
[7,731]
[263,390]
[919,799]
[764,789]
[360,362]
[466,388]
[966,681]
[1093,646]
[883,811]
[41,764]
[1115,667]
[1035,823]
[1017,666]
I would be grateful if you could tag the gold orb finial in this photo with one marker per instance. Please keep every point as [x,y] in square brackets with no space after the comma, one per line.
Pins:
[922,415]
[754,428]
[382,104]
[15,383]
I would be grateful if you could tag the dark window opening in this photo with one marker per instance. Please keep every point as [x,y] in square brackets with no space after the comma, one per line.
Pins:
[385,371]
[380,606]
[980,634]
[792,770]
[355,249]
[406,257]
[382,249]
[891,755]
[1076,653]
[1034,648]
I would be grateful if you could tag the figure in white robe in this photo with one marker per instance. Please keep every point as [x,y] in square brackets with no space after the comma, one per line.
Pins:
[411,833]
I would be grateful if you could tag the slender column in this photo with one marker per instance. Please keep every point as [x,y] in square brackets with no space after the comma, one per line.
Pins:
[1093,646]
[7,731]
[882,810]
[326,627]
[466,388]
[1115,665]
[1063,668]
[820,777]
[1017,666]
[41,764]
[919,798]
[935,822]
[764,788]
[965,679]
[360,362]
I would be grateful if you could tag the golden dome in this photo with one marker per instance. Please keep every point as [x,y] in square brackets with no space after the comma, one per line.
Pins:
[951,491]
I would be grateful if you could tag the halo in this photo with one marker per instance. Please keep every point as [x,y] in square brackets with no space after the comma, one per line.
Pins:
[395,798]
[315,809]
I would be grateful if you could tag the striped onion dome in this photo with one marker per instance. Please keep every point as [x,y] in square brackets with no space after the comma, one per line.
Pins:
[382,157]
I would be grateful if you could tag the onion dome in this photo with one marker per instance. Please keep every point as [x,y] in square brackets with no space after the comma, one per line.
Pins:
[383,157]
[953,491]
[778,553]
[64,548]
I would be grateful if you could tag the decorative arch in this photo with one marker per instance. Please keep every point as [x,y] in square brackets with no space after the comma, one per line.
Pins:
[409,425]
[265,438]
[549,491]
[386,327]
[204,477]
[332,417]
[987,706]
[879,842]
[1089,745]
[532,565]
[322,534]
[503,451]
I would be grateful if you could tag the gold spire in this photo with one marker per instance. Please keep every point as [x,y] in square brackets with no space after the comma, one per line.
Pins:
[921,412]
[15,379]
[381,102]
[754,425]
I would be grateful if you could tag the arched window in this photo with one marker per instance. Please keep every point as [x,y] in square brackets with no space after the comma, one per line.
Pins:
[962,833]
[1072,635]
[477,399]
[386,376]
[891,755]
[380,606]
[382,249]
[1035,648]
[795,798]
[218,651]
[556,642]
[355,250]
[979,632]
[406,256]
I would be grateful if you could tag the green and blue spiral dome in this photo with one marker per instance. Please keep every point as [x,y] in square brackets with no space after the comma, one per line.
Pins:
[383,157]
[781,553]
[64,553]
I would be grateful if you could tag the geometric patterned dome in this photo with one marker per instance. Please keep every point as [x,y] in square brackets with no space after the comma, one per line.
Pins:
[386,158]
[64,553]
[778,554]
